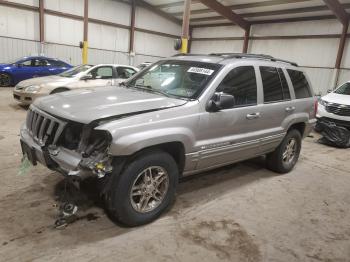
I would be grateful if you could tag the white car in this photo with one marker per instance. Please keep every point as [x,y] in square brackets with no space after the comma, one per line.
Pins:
[83,76]
[335,106]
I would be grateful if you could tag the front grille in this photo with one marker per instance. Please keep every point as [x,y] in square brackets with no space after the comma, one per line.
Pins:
[44,128]
[16,97]
[19,87]
[338,109]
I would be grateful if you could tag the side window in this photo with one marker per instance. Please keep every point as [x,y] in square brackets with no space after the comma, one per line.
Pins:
[125,72]
[241,83]
[40,62]
[103,72]
[285,88]
[56,63]
[300,84]
[271,84]
[27,63]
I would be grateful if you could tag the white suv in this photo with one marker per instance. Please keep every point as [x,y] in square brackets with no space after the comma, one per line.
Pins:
[335,106]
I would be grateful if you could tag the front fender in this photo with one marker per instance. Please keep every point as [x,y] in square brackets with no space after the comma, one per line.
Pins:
[132,143]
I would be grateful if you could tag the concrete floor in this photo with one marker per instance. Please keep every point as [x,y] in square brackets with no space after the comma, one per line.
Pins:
[238,213]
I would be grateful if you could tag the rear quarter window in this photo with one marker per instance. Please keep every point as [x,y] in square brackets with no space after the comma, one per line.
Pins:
[300,84]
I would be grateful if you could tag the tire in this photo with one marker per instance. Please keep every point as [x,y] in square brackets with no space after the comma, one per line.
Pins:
[5,80]
[126,208]
[59,90]
[276,161]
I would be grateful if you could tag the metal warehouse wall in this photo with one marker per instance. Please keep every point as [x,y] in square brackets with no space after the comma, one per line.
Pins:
[19,32]
[311,46]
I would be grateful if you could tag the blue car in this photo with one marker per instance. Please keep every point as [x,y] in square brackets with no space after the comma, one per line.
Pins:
[28,67]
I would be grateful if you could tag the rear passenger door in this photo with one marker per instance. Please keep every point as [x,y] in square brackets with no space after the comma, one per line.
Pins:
[230,135]
[277,110]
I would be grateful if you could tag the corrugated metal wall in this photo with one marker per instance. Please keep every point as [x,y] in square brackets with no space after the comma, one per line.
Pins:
[19,32]
[316,56]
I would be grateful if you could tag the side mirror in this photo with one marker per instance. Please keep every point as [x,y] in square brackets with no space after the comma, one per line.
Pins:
[86,77]
[329,91]
[220,101]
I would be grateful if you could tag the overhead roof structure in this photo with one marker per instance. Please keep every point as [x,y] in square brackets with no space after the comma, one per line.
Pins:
[209,12]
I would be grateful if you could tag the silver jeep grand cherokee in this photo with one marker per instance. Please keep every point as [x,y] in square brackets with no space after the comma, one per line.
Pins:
[181,116]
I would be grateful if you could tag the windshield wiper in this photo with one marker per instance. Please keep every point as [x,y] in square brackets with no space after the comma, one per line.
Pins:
[149,88]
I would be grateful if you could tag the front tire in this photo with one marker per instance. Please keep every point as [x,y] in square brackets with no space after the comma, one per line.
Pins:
[286,155]
[5,80]
[144,189]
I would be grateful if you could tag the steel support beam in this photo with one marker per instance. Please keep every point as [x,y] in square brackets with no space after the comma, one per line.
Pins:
[338,10]
[246,40]
[41,26]
[85,36]
[226,12]
[185,27]
[132,27]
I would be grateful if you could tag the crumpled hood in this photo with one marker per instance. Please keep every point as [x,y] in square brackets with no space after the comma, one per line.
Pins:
[46,80]
[337,98]
[87,105]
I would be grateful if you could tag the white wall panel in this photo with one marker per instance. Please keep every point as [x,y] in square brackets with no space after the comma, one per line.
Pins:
[222,46]
[19,23]
[104,56]
[306,52]
[344,76]
[298,28]
[149,20]
[69,54]
[346,55]
[107,37]
[75,7]
[111,11]
[15,48]
[63,30]
[149,44]
[26,2]
[219,31]
[321,79]
[144,58]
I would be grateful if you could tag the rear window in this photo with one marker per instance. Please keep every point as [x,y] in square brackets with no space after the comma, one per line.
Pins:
[300,84]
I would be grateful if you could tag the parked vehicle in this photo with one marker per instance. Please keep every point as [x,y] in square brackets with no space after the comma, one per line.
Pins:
[335,106]
[28,67]
[181,116]
[144,65]
[83,76]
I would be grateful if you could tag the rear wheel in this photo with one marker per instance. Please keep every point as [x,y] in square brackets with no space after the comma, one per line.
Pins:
[5,80]
[144,189]
[59,90]
[284,158]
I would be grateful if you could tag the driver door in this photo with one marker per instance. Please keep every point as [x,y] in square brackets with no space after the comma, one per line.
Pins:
[232,134]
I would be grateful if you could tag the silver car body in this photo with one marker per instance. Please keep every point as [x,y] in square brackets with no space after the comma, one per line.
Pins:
[137,120]
[50,83]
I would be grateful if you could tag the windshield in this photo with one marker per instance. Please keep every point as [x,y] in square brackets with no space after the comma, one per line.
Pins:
[183,79]
[75,70]
[344,89]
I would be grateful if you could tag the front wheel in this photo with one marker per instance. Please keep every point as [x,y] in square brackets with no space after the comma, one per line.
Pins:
[5,80]
[286,155]
[144,189]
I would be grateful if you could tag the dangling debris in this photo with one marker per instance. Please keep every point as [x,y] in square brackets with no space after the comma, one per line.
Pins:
[333,135]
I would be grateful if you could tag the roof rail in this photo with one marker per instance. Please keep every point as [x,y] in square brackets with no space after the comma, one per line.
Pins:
[257,56]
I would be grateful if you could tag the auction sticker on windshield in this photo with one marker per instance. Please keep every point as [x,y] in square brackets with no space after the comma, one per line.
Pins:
[199,70]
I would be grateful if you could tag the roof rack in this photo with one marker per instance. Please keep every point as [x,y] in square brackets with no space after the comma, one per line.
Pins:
[256,56]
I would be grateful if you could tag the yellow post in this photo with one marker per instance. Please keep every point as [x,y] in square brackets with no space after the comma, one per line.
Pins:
[85,52]
[184,45]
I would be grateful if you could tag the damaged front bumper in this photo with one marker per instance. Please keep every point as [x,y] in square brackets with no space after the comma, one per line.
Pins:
[65,161]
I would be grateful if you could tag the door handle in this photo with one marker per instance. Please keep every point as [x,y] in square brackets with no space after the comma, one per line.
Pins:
[253,115]
[290,109]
